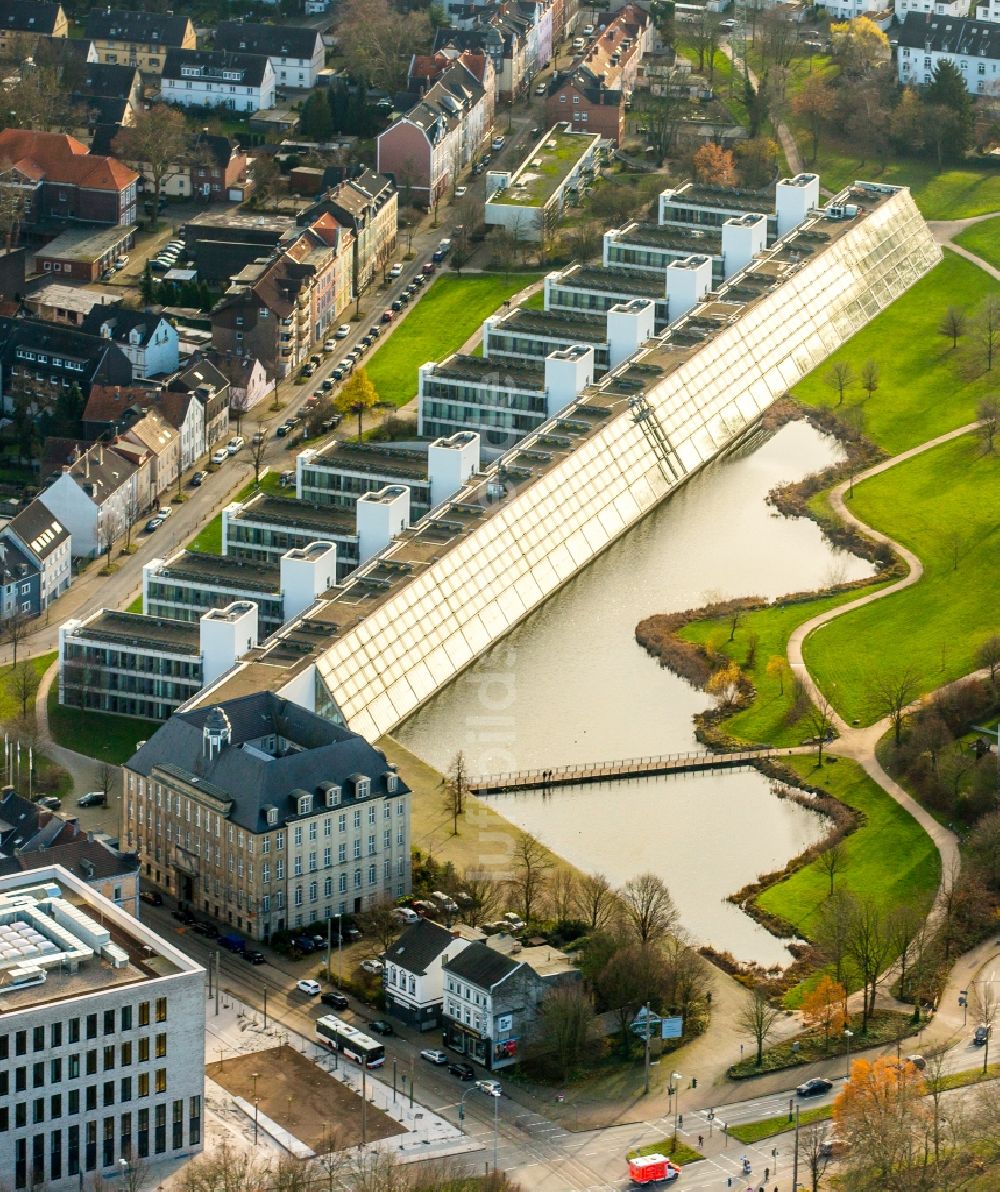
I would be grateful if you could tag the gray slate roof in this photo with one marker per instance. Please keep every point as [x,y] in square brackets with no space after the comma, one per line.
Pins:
[328,753]
[418,946]
[481,965]
[950,35]
[38,529]
[282,41]
[213,63]
[145,27]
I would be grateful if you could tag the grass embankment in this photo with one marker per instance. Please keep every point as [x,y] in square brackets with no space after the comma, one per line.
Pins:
[768,1127]
[983,239]
[445,317]
[920,394]
[208,540]
[942,506]
[99,735]
[888,832]
[671,1148]
[728,86]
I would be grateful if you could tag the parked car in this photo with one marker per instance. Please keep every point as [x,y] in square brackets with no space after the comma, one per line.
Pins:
[406,914]
[165,511]
[381,1027]
[220,456]
[498,144]
[396,270]
[210,931]
[329,345]
[917,1061]
[815,1087]
[433,1056]
[427,268]
[339,373]
[387,316]
[374,967]
[198,479]
[282,430]
[183,915]
[254,957]
[490,1087]
[459,191]
[316,359]
[981,1037]
[588,31]
[303,943]
[343,331]
[326,385]
[158,265]
[462,1070]
[541,88]
[93,799]
[308,370]
[333,997]
[579,43]
[236,443]
[151,897]
[420,280]
[312,988]
[515,921]
[154,523]
[259,437]
[397,306]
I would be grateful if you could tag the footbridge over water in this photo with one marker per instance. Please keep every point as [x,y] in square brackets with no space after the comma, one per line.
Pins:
[633,767]
[449,587]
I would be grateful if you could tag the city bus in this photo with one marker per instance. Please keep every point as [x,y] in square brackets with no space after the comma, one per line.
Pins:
[337,1035]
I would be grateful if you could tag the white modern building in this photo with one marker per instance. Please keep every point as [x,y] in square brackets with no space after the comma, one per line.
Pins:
[522,334]
[102,1037]
[216,79]
[265,528]
[295,51]
[972,47]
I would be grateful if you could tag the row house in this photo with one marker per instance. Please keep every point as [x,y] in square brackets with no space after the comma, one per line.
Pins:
[368,207]
[36,558]
[59,181]
[972,47]
[427,147]
[295,51]
[97,497]
[325,247]
[426,69]
[140,39]
[944,8]
[203,381]
[148,340]
[413,978]
[217,79]
[24,22]
[267,817]
[249,383]
[112,409]
[153,435]
[110,93]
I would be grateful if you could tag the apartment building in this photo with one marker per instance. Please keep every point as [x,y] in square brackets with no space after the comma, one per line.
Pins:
[36,561]
[141,39]
[132,664]
[265,816]
[529,199]
[265,528]
[104,1021]
[217,79]
[148,340]
[368,207]
[413,980]
[499,400]
[295,51]
[23,22]
[203,381]
[972,47]
[591,289]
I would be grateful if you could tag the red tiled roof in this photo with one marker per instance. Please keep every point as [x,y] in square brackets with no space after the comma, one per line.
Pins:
[61,158]
[107,402]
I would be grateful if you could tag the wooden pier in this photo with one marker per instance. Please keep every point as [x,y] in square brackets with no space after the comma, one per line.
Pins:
[634,767]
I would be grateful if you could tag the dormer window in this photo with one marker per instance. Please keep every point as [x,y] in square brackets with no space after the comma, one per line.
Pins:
[305,804]
[272,816]
[333,794]
[391,782]
[362,787]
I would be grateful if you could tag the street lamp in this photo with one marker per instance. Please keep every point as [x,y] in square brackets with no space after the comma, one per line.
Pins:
[848,1035]
[676,1076]
[496,1117]
[340,945]
[254,1076]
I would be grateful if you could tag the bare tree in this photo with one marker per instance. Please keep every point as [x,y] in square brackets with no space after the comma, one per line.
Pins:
[907,928]
[157,139]
[984,1001]
[891,693]
[758,1018]
[988,413]
[130,515]
[839,377]
[22,683]
[486,896]
[382,923]
[814,1153]
[258,446]
[595,899]
[107,776]
[238,406]
[530,868]
[832,860]
[648,908]
[954,324]
[819,718]
[454,784]
[15,630]
[566,1027]
[869,947]
[833,927]
[870,378]
[985,332]
[562,894]
[134,1173]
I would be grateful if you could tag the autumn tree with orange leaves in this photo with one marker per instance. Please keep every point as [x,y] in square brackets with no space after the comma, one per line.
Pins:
[824,1008]
[882,1119]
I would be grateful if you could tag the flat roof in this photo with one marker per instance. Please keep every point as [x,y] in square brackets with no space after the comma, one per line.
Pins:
[559,324]
[729,198]
[139,632]
[501,373]
[671,236]
[302,515]
[241,219]
[77,298]
[545,168]
[86,244]
[359,457]
[227,570]
[298,644]
[52,920]
[628,282]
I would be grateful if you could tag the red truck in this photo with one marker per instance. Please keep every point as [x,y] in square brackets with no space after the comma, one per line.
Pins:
[652,1169]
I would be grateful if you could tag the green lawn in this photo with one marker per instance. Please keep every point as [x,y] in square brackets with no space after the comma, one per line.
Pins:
[942,506]
[728,86]
[136,605]
[10,705]
[983,239]
[890,858]
[96,734]
[208,540]
[769,1127]
[449,313]
[921,393]
[680,1152]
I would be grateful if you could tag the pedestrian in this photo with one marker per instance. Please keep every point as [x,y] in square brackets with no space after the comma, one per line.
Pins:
[701,1141]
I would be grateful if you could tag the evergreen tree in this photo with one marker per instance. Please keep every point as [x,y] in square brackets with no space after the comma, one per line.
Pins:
[316,121]
[147,286]
[947,92]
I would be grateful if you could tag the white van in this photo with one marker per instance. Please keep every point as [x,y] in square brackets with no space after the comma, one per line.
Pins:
[406,915]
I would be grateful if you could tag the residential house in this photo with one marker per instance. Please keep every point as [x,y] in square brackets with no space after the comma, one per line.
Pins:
[111,409]
[972,47]
[186,414]
[413,979]
[38,360]
[59,181]
[368,206]
[215,78]
[216,169]
[309,819]
[984,12]
[97,498]
[427,147]
[110,92]
[295,51]
[492,1000]
[36,541]
[148,340]
[249,383]
[139,39]
[154,434]
[204,382]
[944,8]
[426,69]
[593,96]
[325,247]
[23,22]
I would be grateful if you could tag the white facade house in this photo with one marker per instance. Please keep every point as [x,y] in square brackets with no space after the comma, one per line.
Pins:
[89,989]
[847,10]
[956,8]
[413,980]
[216,79]
[985,12]
[148,340]
[93,499]
[973,47]
[295,51]
[187,415]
